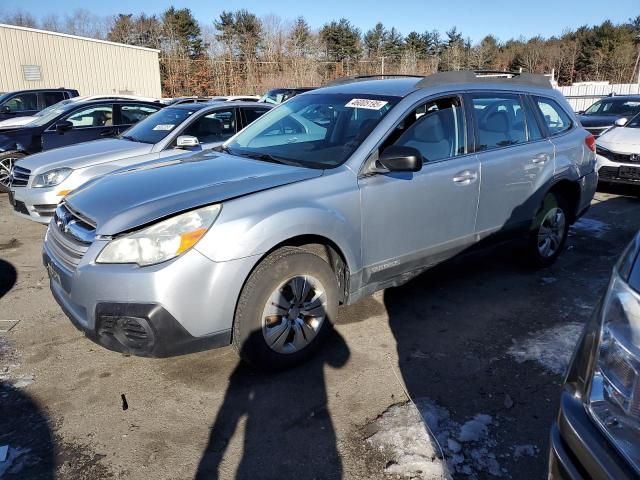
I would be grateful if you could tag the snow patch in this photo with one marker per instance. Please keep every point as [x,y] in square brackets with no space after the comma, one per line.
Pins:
[524,451]
[591,227]
[402,434]
[551,348]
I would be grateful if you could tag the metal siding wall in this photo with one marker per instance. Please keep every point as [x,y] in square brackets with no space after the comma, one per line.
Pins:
[89,66]
[580,97]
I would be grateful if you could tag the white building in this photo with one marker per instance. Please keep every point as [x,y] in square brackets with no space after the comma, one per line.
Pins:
[31,58]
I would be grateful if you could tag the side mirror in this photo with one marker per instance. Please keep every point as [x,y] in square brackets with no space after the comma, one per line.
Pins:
[6,109]
[397,158]
[621,122]
[188,142]
[581,112]
[63,126]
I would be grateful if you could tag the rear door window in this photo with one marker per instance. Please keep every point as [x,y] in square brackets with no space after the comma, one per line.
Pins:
[555,118]
[131,114]
[51,98]
[252,113]
[500,120]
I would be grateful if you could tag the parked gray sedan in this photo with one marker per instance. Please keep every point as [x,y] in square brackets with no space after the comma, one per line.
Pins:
[333,195]
[40,181]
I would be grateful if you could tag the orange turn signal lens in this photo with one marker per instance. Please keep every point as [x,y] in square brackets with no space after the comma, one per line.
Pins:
[63,193]
[189,239]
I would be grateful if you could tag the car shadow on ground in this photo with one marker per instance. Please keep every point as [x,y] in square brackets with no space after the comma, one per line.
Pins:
[8,278]
[455,323]
[24,429]
[288,432]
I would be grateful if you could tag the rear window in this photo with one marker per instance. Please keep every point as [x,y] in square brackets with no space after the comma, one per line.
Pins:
[555,118]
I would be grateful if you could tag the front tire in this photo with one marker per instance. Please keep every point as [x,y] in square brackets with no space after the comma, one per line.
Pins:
[549,231]
[285,310]
[7,160]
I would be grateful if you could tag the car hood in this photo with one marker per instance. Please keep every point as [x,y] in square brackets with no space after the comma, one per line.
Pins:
[133,197]
[621,140]
[597,120]
[16,122]
[84,155]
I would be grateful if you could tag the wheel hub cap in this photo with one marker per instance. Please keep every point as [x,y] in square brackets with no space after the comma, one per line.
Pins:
[6,165]
[294,314]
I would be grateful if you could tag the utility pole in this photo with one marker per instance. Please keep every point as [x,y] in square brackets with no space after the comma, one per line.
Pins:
[382,66]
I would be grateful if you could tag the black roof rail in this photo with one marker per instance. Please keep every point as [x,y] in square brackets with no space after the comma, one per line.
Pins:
[469,76]
[359,78]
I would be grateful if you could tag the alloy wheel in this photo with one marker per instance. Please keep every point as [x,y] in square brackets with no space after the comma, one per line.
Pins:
[294,314]
[6,164]
[551,232]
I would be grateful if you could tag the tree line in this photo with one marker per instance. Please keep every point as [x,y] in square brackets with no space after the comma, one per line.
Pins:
[241,53]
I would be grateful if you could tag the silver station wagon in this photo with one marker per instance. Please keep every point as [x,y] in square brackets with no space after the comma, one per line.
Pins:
[335,194]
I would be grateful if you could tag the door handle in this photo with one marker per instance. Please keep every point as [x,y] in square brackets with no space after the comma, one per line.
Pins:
[465,177]
[541,158]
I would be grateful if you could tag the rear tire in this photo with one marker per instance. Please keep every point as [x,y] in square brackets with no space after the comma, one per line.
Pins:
[285,309]
[7,160]
[549,230]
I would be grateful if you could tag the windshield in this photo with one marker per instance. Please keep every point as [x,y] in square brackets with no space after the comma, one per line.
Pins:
[50,113]
[615,106]
[313,130]
[158,125]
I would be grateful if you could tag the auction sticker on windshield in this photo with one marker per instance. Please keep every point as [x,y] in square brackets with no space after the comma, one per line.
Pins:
[366,103]
[164,126]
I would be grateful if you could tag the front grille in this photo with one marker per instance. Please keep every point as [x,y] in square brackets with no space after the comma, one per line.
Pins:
[69,237]
[20,176]
[45,210]
[621,157]
[613,174]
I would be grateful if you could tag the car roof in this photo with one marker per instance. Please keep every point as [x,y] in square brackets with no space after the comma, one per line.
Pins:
[213,104]
[52,89]
[620,97]
[403,85]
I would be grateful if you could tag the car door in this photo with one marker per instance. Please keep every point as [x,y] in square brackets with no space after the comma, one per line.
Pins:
[128,114]
[413,220]
[19,105]
[515,160]
[86,123]
[213,128]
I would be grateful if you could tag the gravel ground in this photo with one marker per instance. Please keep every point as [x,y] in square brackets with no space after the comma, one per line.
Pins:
[479,344]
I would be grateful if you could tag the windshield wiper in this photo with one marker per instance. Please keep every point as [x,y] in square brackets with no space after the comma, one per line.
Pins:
[265,157]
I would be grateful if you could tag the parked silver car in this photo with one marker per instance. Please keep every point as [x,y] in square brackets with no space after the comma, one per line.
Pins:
[40,181]
[333,195]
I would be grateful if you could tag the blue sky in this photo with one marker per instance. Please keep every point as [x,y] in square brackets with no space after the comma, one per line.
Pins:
[502,18]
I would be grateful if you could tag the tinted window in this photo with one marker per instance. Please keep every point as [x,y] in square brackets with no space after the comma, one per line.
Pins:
[214,127]
[22,102]
[252,113]
[615,106]
[555,117]
[313,130]
[133,113]
[51,98]
[436,129]
[500,120]
[95,116]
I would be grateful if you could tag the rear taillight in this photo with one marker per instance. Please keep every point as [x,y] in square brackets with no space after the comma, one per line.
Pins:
[590,141]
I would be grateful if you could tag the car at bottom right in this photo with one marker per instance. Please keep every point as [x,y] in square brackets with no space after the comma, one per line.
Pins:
[618,153]
[597,430]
